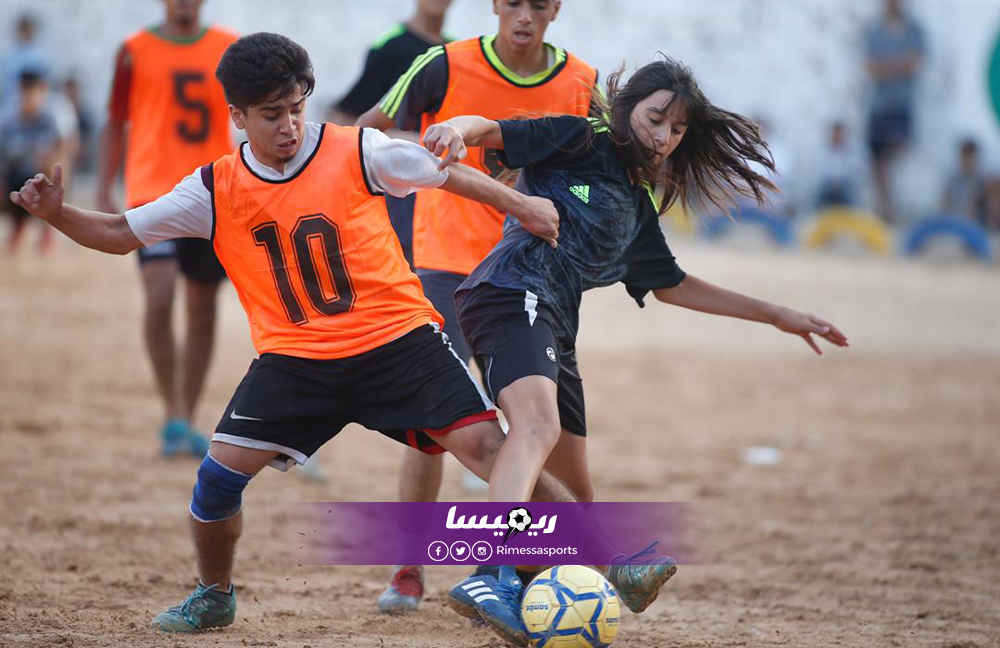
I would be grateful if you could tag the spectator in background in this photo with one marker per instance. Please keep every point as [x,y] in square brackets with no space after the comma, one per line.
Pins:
[895,51]
[841,170]
[965,189]
[781,203]
[29,144]
[84,124]
[25,55]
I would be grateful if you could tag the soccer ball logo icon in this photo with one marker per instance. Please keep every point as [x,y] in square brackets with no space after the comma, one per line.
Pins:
[518,519]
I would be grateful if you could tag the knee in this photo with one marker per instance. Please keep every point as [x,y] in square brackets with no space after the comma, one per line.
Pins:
[487,446]
[218,491]
[542,433]
[159,304]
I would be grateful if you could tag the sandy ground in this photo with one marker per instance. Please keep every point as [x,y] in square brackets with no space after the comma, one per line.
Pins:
[879,526]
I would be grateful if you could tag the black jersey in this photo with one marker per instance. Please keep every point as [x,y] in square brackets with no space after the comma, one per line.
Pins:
[608,228]
[387,60]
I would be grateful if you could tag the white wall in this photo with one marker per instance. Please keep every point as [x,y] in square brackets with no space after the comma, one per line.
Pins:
[796,62]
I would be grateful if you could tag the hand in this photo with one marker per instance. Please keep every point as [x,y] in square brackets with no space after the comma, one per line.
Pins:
[40,196]
[442,138]
[805,325]
[540,217]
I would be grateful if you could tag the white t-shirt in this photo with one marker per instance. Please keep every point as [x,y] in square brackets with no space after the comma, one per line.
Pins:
[394,166]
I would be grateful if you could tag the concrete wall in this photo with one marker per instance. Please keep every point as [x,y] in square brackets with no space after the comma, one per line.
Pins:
[795,62]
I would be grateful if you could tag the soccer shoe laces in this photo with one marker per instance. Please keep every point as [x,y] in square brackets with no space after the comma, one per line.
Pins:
[643,557]
[195,603]
[511,594]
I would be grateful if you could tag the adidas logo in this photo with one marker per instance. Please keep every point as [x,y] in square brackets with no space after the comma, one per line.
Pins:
[480,592]
[582,192]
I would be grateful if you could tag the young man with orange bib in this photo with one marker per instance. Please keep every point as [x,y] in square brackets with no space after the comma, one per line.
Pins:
[513,73]
[341,324]
[167,115]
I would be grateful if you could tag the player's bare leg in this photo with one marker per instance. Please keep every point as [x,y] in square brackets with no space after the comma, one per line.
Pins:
[159,278]
[420,476]
[223,475]
[532,412]
[215,542]
[419,481]
[568,462]
[478,447]
[199,341]
[16,234]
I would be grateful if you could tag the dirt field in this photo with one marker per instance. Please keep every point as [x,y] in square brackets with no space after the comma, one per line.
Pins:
[880,526]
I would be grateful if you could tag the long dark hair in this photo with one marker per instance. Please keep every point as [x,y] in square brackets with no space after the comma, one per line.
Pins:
[711,163]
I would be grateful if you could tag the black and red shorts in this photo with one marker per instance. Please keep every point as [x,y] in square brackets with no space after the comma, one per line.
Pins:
[412,390]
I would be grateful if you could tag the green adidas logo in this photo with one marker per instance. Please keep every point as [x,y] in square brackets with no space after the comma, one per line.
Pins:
[582,192]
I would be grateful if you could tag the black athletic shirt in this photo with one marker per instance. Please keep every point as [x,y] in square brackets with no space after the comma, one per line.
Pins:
[608,229]
[387,60]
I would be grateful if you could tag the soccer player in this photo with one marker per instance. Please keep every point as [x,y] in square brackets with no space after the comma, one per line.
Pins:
[513,73]
[520,307]
[343,329]
[167,115]
[387,60]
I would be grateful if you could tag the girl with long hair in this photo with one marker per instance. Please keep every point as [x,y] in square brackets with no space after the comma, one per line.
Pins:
[519,308]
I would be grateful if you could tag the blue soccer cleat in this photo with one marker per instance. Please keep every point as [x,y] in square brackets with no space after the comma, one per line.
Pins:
[639,577]
[496,600]
[203,609]
[174,437]
[197,443]
[459,598]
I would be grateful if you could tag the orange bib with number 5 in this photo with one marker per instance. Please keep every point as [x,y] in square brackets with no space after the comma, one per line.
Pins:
[178,116]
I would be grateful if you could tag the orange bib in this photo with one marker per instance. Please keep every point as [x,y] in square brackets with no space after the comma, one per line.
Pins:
[314,259]
[452,233]
[178,116]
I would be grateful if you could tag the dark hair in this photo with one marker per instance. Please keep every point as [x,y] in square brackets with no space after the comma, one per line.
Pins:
[30,78]
[711,162]
[969,146]
[264,66]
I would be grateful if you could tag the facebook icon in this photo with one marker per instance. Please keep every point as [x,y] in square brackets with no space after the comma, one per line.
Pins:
[437,551]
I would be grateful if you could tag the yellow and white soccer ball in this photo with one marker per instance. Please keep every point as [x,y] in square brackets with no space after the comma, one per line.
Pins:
[570,606]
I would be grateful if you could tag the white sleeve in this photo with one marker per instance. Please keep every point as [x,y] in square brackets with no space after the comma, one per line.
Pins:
[185,212]
[398,167]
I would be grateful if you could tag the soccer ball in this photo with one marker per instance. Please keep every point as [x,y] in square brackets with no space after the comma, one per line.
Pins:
[570,606]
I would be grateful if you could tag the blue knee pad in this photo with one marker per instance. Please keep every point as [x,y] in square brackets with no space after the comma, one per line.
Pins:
[218,491]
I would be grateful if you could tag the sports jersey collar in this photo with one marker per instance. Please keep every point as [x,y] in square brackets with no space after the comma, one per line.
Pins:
[156,31]
[310,142]
[486,43]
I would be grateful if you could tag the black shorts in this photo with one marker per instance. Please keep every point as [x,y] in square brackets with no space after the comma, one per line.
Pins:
[13,181]
[195,258]
[411,390]
[514,335]
[439,287]
[888,130]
